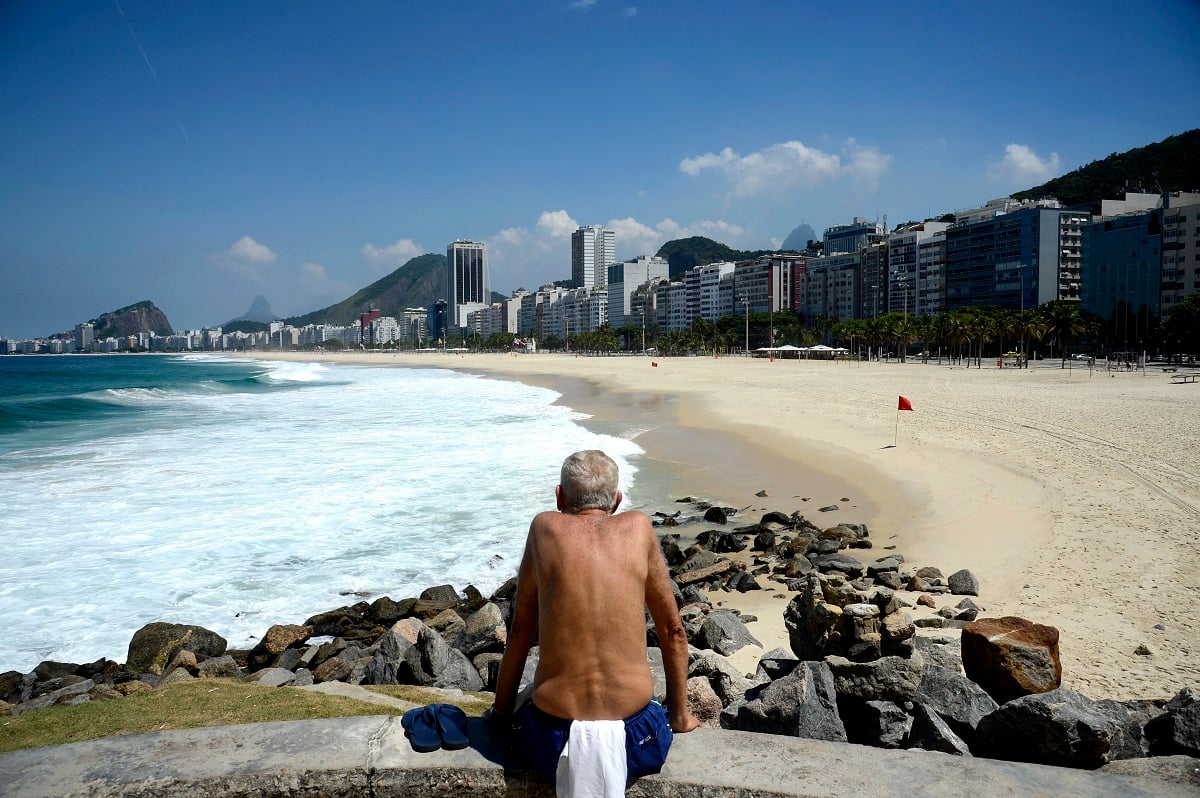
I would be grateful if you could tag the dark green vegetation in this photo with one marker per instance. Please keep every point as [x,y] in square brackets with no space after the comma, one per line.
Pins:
[242,325]
[201,703]
[1172,164]
[687,253]
[140,317]
[418,283]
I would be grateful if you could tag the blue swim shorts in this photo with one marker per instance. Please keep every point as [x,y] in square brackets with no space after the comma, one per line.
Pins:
[647,739]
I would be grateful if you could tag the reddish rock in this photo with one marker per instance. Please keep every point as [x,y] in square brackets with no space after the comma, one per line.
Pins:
[1011,657]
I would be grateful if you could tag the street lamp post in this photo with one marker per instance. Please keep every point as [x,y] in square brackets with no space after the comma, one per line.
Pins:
[746,316]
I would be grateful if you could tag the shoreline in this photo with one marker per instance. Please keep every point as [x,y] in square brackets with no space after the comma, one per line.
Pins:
[996,472]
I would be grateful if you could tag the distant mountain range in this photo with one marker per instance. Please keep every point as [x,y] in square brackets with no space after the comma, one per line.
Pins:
[260,311]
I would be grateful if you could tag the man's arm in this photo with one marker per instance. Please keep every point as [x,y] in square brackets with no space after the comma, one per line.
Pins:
[521,633]
[671,636]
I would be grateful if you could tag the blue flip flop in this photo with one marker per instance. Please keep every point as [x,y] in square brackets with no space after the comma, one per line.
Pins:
[451,725]
[421,729]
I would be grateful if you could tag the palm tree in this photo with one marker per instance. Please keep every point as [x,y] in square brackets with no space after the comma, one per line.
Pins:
[981,329]
[1031,327]
[1065,321]
[1005,320]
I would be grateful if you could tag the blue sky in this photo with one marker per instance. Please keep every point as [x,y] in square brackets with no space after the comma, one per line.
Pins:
[200,153]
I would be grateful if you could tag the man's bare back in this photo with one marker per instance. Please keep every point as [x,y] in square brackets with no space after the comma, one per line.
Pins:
[584,584]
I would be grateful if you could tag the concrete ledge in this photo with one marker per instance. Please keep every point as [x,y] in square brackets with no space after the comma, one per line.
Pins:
[369,756]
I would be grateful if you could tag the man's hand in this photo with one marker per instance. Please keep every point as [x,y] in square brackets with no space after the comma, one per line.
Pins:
[684,722]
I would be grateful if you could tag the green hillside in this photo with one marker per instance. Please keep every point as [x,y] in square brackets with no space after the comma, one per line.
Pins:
[1172,164]
[687,253]
[418,283]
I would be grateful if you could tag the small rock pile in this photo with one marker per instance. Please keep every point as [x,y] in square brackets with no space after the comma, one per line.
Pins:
[857,671]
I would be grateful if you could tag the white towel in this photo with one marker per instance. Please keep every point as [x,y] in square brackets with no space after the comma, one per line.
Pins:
[592,764]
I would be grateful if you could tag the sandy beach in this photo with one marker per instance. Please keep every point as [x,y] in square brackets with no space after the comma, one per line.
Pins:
[1073,496]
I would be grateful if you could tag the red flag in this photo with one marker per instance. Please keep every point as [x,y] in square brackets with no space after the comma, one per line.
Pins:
[652,363]
[905,404]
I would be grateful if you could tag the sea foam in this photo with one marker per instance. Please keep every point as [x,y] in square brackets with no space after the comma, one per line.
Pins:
[240,508]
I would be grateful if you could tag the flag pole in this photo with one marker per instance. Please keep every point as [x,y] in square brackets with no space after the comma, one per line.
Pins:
[896,435]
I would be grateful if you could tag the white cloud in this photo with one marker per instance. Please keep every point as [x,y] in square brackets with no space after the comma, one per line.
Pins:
[248,250]
[531,257]
[583,5]
[1020,164]
[629,11]
[392,256]
[557,224]
[789,164]
[246,257]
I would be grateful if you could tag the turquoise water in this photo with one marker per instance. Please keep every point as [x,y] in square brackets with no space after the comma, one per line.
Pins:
[235,494]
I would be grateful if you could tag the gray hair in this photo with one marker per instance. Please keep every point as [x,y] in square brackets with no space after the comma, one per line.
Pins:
[589,481]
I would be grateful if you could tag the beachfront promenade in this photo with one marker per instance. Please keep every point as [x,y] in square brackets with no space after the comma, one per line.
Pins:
[369,756]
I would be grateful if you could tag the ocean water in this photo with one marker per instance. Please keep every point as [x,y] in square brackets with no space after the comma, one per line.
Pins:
[235,494]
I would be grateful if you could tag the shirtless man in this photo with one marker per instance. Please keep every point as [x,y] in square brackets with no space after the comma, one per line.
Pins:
[585,580]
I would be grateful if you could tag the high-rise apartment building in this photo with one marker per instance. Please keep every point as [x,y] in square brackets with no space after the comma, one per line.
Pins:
[84,337]
[859,234]
[1121,274]
[916,279]
[466,280]
[1016,259]
[1180,253]
[623,280]
[593,248]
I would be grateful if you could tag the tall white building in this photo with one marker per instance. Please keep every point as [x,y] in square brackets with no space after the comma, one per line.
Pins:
[466,280]
[623,280]
[593,248]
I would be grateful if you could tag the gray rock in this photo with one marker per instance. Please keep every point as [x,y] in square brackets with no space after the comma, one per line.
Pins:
[930,733]
[929,572]
[1177,731]
[801,704]
[885,679]
[484,632]
[450,625]
[440,593]
[433,663]
[153,646]
[388,665]
[716,515]
[764,541]
[304,678]
[1182,773]
[955,699]
[724,633]
[811,622]
[54,697]
[1127,721]
[703,702]
[175,677]
[840,562]
[272,677]
[289,659]
[1060,727]
[963,583]
[884,564]
[881,724]
[775,664]
[223,667]
[726,681]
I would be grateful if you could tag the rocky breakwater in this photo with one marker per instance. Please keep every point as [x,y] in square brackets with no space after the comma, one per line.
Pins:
[867,661]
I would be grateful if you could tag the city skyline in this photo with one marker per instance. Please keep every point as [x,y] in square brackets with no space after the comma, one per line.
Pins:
[198,157]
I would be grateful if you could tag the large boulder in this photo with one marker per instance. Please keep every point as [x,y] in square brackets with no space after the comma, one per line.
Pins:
[801,704]
[484,632]
[703,702]
[433,663]
[726,681]
[839,562]
[1011,657]
[886,679]
[389,663]
[724,634]
[963,583]
[1060,728]
[1177,731]
[811,622]
[930,733]
[955,699]
[882,724]
[155,644]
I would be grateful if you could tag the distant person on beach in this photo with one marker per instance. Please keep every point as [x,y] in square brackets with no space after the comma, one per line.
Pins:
[585,581]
